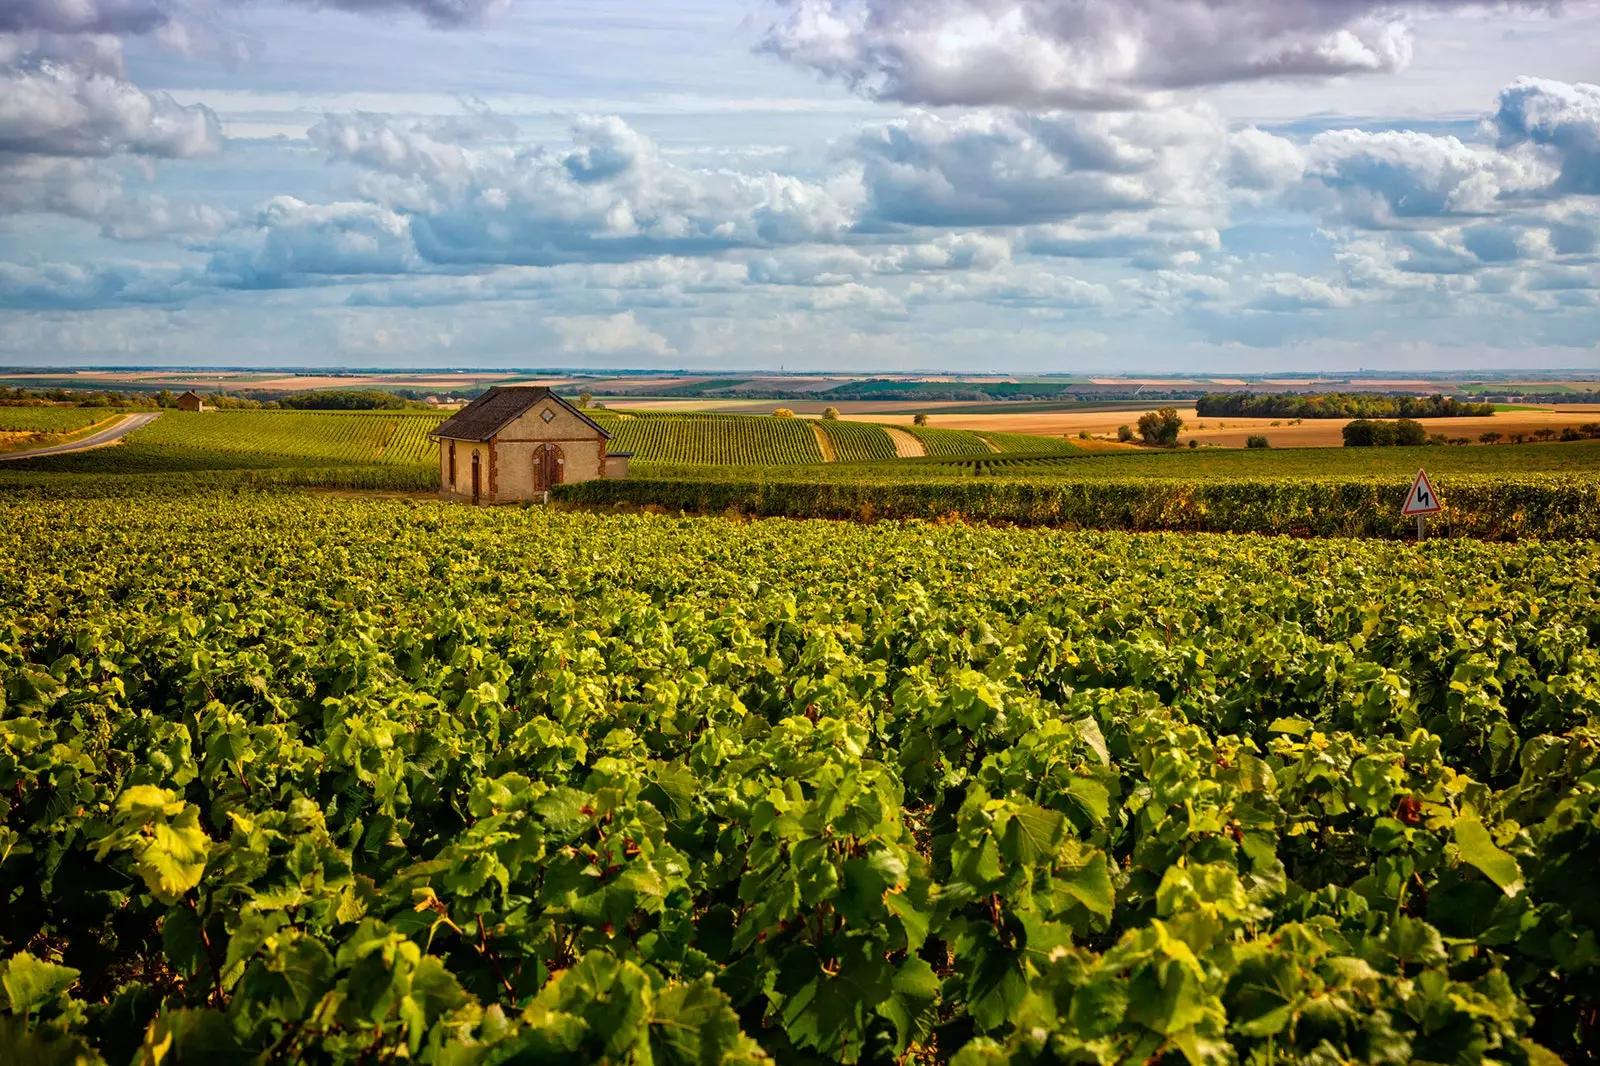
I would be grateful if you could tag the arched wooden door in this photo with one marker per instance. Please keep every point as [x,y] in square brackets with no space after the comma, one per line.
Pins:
[549,467]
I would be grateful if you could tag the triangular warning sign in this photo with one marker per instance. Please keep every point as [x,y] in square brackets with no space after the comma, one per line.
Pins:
[1422,499]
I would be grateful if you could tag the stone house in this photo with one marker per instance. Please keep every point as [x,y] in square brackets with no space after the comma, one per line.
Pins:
[191,401]
[516,441]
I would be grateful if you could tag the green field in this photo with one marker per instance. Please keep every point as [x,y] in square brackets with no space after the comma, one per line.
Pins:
[342,781]
[50,419]
[1029,444]
[857,441]
[334,437]
[948,441]
[1574,457]
[711,439]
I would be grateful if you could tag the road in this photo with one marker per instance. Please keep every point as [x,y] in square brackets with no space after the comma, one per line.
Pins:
[94,440]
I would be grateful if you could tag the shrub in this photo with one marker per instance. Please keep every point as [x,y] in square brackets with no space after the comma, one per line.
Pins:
[585,399]
[1084,434]
[1410,433]
[1569,433]
[1369,433]
[1491,437]
[830,414]
[783,412]
[1124,433]
[1160,427]
[1255,440]
[1193,443]
[919,419]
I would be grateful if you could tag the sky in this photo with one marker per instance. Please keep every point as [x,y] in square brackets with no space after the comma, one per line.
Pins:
[1061,186]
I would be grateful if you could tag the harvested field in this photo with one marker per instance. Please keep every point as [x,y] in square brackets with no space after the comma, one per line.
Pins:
[1232,432]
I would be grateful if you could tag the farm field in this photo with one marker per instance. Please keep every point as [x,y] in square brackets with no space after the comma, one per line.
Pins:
[342,780]
[32,427]
[398,439]
[1232,431]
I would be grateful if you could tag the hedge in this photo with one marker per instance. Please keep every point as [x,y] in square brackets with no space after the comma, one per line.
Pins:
[1490,508]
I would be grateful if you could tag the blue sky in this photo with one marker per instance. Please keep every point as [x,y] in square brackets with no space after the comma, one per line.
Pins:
[874,185]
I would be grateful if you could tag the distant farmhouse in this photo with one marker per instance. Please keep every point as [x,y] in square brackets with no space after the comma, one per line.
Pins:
[191,401]
[517,441]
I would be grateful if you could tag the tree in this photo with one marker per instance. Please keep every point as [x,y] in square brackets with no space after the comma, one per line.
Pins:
[1084,434]
[1160,427]
[1194,443]
[1124,433]
[585,399]
[1544,434]
[782,412]
[1491,437]
[1365,433]
[919,419]
[830,414]
[1256,440]
[1408,432]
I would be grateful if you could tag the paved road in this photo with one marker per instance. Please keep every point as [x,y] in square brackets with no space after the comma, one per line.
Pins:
[94,440]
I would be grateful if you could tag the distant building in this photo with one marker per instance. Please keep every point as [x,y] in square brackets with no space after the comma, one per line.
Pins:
[191,401]
[517,441]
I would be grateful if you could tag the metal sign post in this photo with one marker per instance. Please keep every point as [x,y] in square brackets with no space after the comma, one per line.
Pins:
[1422,501]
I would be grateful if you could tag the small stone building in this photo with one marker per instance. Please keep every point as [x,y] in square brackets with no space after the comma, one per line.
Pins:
[191,401]
[516,441]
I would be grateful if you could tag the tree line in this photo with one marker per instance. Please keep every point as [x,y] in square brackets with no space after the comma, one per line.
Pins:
[1336,405]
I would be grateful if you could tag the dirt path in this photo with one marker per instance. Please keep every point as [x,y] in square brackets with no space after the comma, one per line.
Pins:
[109,435]
[991,445]
[828,454]
[905,445]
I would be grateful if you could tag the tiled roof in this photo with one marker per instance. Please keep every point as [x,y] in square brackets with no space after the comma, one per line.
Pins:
[488,414]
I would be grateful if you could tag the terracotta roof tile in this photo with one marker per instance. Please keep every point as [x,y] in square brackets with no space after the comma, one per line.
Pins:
[488,414]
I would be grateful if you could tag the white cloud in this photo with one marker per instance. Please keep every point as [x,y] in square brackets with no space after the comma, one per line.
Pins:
[996,168]
[1090,54]
[1399,178]
[611,196]
[620,334]
[1561,119]
[292,243]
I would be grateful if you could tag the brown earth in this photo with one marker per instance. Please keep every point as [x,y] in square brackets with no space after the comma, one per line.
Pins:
[1231,432]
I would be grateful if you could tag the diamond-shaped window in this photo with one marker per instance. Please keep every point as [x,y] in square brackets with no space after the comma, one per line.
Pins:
[547,414]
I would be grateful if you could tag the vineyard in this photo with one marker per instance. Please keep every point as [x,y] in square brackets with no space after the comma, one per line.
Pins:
[948,441]
[1030,444]
[341,781]
[1489,508]
[387,438]
[857,441]
[50,419]
[701,439]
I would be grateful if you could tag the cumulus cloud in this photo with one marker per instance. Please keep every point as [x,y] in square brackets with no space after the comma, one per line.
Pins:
[610,196]
[126,18]
[1085,53]
[1398,178]
[61,111]
[997,168]
[121,17]
[73,286]
[1562,120]
[609,334]
[294,243]
[1261,162]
